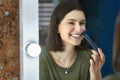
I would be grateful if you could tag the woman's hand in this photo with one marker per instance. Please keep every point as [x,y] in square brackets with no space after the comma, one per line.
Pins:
[96,64]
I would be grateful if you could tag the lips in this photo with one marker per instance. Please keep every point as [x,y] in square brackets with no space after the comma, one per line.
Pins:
[76,38]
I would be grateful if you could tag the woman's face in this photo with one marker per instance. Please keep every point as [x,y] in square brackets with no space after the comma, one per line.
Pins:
[71,28]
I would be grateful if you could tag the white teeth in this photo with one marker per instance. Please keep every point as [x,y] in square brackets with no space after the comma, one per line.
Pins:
[75,35]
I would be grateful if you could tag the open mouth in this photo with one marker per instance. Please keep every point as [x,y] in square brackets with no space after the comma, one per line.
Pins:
[76,35]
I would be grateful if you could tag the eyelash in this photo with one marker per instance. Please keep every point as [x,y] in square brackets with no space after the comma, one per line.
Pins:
[71,23]
[81,23]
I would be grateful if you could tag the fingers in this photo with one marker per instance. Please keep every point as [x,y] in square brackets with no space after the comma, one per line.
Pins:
[95,58]
[98,58]
[96,63]
[102,56]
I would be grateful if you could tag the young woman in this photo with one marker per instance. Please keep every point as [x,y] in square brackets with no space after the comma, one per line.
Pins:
[66,56]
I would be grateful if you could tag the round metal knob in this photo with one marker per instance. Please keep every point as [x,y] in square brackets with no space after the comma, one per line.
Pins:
[32,49]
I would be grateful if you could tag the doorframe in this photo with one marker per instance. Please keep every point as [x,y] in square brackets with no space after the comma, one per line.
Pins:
[29,32]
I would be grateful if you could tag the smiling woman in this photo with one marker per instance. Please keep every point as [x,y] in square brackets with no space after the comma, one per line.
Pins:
[70,28]
[66,56]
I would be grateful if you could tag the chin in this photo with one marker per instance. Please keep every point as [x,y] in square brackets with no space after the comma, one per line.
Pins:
[76,44]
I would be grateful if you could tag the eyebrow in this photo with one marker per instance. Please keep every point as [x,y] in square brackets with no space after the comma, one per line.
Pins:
[74,20]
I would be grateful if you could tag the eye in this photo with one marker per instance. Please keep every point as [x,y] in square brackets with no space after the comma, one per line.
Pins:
[72,23]
[82,23]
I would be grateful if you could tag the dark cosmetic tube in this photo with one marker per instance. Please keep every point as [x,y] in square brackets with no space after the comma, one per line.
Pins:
[88,39]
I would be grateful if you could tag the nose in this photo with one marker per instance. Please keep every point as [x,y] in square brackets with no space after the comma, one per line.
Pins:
[80,28]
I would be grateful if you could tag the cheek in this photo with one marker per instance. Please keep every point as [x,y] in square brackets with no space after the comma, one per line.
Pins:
[65,29]
[83,29]
[62,29]
[64,34]
[59,28]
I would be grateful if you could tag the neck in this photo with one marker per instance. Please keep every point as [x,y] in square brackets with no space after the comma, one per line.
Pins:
[67,54]
[66,57]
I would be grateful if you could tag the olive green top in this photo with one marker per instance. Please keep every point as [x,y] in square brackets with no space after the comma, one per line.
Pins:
[49,70]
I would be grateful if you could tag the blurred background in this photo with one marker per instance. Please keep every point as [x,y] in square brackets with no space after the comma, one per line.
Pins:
[101,17]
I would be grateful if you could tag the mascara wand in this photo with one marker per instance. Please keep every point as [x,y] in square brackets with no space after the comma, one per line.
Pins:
[89,41]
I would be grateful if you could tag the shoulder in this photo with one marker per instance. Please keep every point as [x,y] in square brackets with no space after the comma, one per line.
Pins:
[44,54]
[84,56]
[86,53]
[43,51]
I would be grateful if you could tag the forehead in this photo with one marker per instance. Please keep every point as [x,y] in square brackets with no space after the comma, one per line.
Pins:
[75,14]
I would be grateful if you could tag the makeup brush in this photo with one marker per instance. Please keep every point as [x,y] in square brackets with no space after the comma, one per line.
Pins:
[88,39]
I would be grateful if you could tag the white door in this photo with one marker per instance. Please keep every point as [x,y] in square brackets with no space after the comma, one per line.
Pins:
[29,40]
